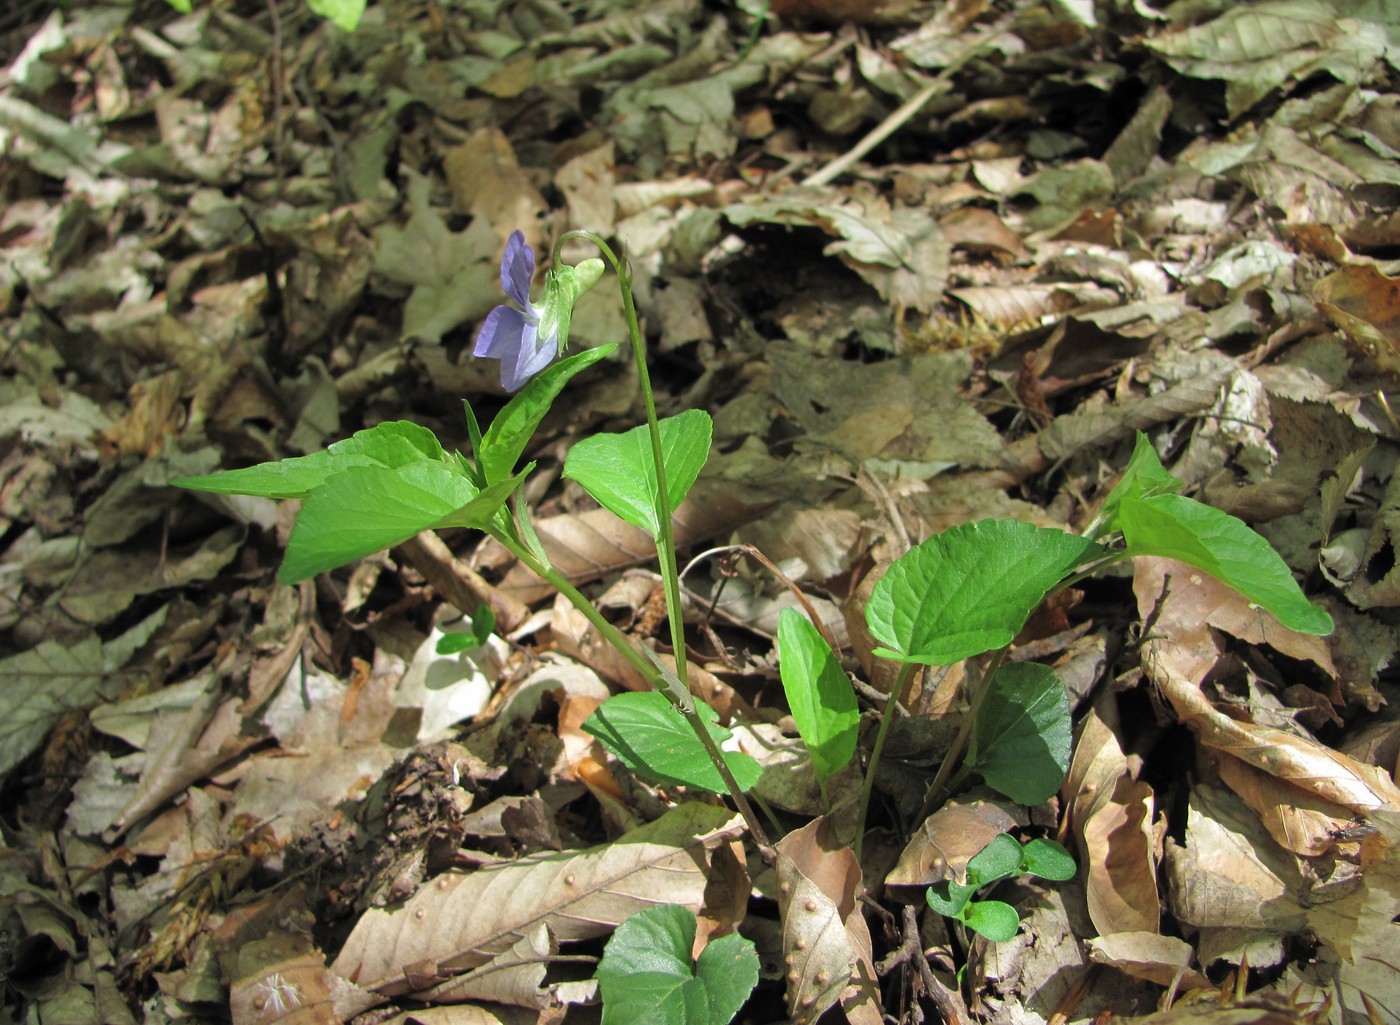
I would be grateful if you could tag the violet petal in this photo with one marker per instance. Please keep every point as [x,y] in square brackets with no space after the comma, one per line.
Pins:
[518,269]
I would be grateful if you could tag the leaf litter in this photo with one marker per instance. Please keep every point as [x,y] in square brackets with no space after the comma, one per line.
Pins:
[922,267]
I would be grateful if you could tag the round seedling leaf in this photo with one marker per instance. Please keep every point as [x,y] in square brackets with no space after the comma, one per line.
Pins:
[998,860]
[948,897]
[1049,860]
[993,919]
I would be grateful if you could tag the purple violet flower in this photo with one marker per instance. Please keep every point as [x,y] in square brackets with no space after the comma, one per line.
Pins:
[511,333]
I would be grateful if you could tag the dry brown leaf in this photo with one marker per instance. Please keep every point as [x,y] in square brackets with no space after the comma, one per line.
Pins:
[1179,653]
[584,546]
[949,838]
[1298,821]
[1362,302]
[826,943]
[468,1014]
[182,748]
[296,991]
[515,976]
[1360,928]
[1229,875]
[1111,816]
[1218,605]
[459,921]
[1164,960]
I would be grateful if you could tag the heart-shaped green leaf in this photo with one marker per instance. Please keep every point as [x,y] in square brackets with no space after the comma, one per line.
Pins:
[647,976]
[653,739]
[1021,739]
[619,472]
[819,692]
[969,589]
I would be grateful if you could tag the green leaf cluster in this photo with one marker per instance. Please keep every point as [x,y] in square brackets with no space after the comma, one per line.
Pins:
[385,484]
[1001,859]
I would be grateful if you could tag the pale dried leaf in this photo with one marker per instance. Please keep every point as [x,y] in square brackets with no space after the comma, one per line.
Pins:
[949,838]
[296,991]
[1360,928]
[459,921]
[1164,960]
[515,976]
[1230,874]
[826,943]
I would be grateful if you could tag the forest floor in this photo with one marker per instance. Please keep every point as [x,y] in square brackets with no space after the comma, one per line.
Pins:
[923,264]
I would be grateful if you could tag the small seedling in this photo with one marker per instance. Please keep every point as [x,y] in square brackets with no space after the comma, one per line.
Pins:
[1001,859]
[483,625]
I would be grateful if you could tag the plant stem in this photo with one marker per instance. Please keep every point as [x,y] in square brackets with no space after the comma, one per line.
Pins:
[665,548]
[964,733]
[629,651]
[901,683]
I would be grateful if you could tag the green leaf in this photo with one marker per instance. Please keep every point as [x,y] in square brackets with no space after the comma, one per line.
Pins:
[647,976]
[389,445]
[653,739]
[369,508]
[1201,536]
[969,589]
[483,623]
[452,643]
[993,919]
[341,13]
[1143,477]
[1047,859]
[618,470]
[183,6]
[819,692]
[998,860]
[948,897]
[1021,739]
[505,440]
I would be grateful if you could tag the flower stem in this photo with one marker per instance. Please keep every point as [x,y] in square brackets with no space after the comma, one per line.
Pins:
[665,540]
[897,695]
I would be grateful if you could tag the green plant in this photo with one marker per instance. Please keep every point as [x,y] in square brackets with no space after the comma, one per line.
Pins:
[1001,859]
[483,624]
[648,977]
[344,14]
[963,593]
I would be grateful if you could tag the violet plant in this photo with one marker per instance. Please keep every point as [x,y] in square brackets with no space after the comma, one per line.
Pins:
[961,594]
